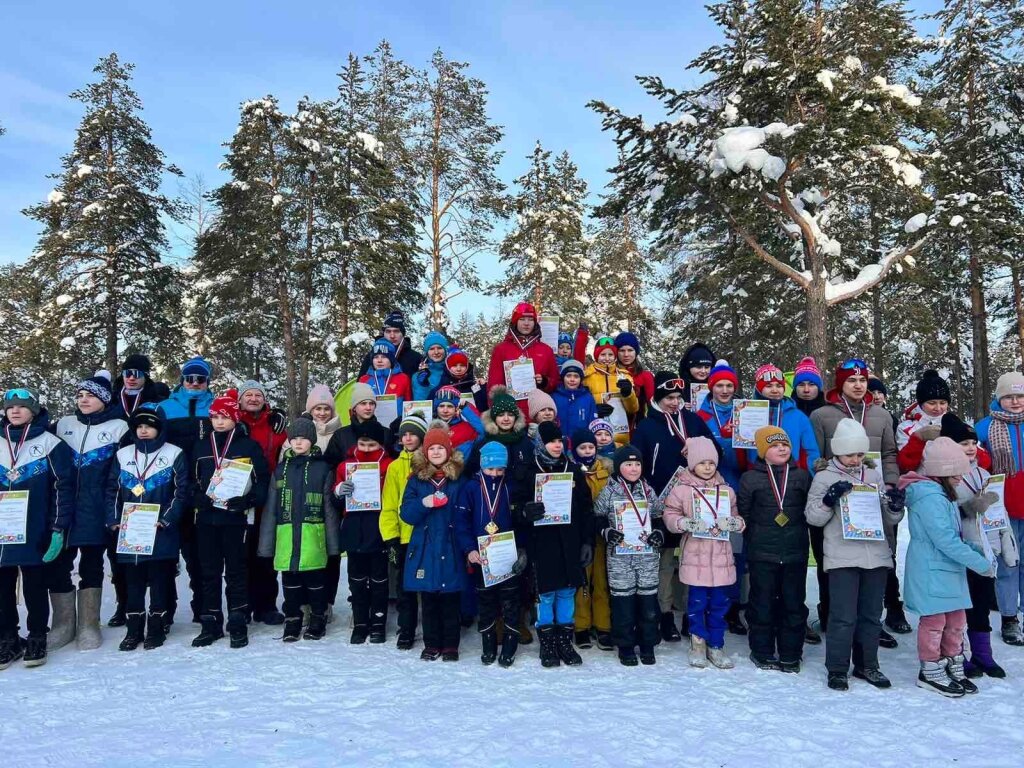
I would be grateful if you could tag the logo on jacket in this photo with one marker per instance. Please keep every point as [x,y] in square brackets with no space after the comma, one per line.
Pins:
[162,462]
[105,437]
[36,451]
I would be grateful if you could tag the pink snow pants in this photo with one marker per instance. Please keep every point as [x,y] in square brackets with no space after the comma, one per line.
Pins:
[941,634]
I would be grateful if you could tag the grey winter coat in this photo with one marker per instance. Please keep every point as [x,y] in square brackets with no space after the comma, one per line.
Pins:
[878,425]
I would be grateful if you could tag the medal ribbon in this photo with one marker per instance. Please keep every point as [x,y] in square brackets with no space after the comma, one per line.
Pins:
[779,494]
[849,410]
[492,506]
[721,427]
[218,458]
[679,430]
[846,470]
[142,474]
[642,519]
[124,403]
[706,500]
[387,382]
[15,453]
[974,473]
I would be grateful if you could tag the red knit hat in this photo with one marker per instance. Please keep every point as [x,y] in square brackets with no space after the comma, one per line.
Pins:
[438,436]
[523,309]
[227,407]
[767,374]
[456,357]
[603,343]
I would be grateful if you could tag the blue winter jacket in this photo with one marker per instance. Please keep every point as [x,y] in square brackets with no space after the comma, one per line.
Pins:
[166,483]
[472,515]
[798,427]
[93,440]
[734,460]
[576,408]
[44,470]
[1016,432]
[935,579]
[186,416]
[434,562]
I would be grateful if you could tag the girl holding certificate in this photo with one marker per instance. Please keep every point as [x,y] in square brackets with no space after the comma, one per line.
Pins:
[593,611]
[607,381]
[856,559]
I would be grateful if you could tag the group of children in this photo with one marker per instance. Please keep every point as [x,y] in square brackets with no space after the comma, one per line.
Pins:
[604,498]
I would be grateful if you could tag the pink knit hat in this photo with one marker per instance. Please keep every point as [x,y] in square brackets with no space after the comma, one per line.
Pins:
[700,449]
[320,394]
[944,458]
[539,400]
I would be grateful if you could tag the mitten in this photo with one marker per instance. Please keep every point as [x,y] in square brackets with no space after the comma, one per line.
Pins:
[656,539]
[56,545]
[694,525]
[344,488]
[929,433]
[604,410]
[277,420]
[977,506]
[896,498]
[238,504]
[625,387]
[519,565]
[613,536]
[392,548]
[730,523]
[533,511]
[835,492]
[435,500]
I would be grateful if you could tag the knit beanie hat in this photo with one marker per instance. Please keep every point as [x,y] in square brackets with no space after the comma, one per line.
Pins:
[227,407]
[447,394]
[456,357]
[493,455]
[944,458]
[395,319]
[320,394]
[932,387]
[700,449]
[956,429]
[601,425]
[250,385]
[435,339]
[1011,383]
[767,374]
[853,367]
[372,430]
[23,396]
[666,382]
[807,371]
[148,415]
[582,436]
[564,338]
[624,454]
[571,366]
[502,402]
[698,354]
[768,436]
[197,366]
[136,362]
[627,339]
[438,435]
[603,343]
[848,438]
[549,432]
[875,384]
[361,391]
[385,348]
[723,372]
[523,309]
[539,400]
[302,427]
[413,423]
[97,385]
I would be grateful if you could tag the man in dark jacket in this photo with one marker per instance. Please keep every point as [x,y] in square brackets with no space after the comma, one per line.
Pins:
[394,331]
[661,437]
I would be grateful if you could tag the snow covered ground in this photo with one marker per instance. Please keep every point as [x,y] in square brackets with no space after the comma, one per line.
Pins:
[328,703]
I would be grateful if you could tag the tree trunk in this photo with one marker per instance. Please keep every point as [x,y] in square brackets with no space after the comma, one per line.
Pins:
[436,313]
[876,333]
[979,333]
[958,370]
[1018,307]
[290,357]
[817,321]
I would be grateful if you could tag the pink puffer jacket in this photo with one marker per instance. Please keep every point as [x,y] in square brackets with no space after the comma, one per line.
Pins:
[703,562]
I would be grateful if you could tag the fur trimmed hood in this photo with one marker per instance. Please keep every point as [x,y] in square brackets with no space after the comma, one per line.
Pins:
[423,469]
[492,429]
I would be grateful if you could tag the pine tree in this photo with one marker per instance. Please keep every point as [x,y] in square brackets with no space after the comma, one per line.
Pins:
[620,279]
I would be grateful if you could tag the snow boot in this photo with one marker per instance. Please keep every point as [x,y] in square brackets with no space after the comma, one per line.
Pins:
[449,654]
[292,629]
[156,631]
[811,635]
[698,652]
[896,620]
[838,681]
[719,658]
[604,641]
[430,654]
[885,640]
[982,661]
[567,654]
[955,668]
[406,640]
[359,634]
[489,645]
[583,639]
[934,677]
[211,632]
[378,632]
[872,676]
[119,619]
[317,627]
[1011,631]
[35,651]
[734,620]
[627,657]
[669,633]
[548,646]
[238,629]
[136,632]
[769,664]
[792,667]
[89,636]
[647,655]
[271,617]
[11,649]
[64,619]
[509,646]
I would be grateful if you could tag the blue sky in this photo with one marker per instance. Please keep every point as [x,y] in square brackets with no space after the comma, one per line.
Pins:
[196,62]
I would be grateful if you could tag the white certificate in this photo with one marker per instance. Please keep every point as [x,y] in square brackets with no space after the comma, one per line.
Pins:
[748,416]
[138,529]
[467,399]
[676,478]
[618,418]
[554,489]
[424,408]
[387,409]
[701,507]
[549,331]
[229,482]
[861,512]
[13,517]
[497,556]
[698,394]
[520,377]
[634,527]
[365,477]
[995,517]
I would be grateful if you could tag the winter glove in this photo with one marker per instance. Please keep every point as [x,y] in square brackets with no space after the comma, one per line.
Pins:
[424,377]
[604,410]
[533,511]
[586,555]
[694,524]
[344,489]
[613,536]
[929,433]
[238,504]
[656,539]
[625,387]
[835,492]
[977,506]
[435,500]
[519,565]
[896,498]
[392,547]
[731,523]
[277,420]
[56,545]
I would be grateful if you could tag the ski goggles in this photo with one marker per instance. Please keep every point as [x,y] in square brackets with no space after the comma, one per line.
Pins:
[672,385]
[772,375]
[18,394]
[195,378]
[854,363]
[133,373]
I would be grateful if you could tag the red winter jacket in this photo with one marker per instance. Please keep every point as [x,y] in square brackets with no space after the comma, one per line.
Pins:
[514,347]
[912,454]
[261,429]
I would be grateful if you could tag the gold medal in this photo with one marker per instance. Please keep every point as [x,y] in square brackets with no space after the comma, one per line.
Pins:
[138,490]
[491,528]
[781,519]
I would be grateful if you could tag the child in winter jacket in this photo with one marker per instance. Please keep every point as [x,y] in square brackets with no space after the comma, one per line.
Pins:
[93,433]
[386,377]
[1002,435]
[627,500]
[857,568]
[574,404]
[320,409]
[770,385]
[395,532]
[37,464]
[363,410]
[605,379]
[572,346]
[484,509]
[459,373]
[627,348]
[559,552]
[935,584]
[931,403]
[432,369]
[361,539]
[300,530]
[463,422]
[808,387]
[149,471]
[593,611]
[771,500]
[221,523]
[433,565]
[694,368]
[604,434]
[706,562]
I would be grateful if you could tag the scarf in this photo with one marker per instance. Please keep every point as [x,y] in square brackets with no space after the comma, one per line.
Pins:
[1000,444]
[586,461]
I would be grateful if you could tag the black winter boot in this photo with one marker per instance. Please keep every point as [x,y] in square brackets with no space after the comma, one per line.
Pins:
[896,620]
[317,627]
[212,631]
[11,649]
[647,655]
[669,633]
[119,619]
[238,629]
[566,652]
[583,639]
[489,645]
[156,631]
[627,656]
[136,632]
[509,646]
[406,640]
[1010,631]
[292,629]
[548,645]
[735,621]
[35,651]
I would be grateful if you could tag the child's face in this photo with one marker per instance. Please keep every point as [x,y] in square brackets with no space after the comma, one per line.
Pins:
[301,445]
[364,409]
[458,370]
[544,414]
[322,413]
[955,480]
[221,423]
[851,459]
[723,392]
[607,357]
[146,432]
[410,441]
[970,448]
[705,470]
[700,372]
[807,390]
[446,411]
[88,403]
[571,380]
[494,471]
[1012,403]
[855,387]
[604,437]
[366,445]
[554,448]
[778,454]
[381,362]
[586,450]
[627,355]
[670,403]
[631,471]
[437,455]
[18,415]
[436,353]
[879,398]
[935,407]
[525,325]
[505,421]
[773,390]
[564,350]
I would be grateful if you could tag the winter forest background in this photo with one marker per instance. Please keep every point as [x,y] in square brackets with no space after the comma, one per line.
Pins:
[833,177]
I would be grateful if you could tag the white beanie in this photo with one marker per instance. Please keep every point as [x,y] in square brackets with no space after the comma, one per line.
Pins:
[1011,383]
[848,438]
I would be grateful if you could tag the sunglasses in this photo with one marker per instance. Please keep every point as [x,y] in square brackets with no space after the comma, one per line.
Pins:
[673,385]
[133,373]
[195,378]
[18,394]
[854,363]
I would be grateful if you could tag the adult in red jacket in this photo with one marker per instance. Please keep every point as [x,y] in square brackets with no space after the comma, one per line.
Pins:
[266,428]
[523,340]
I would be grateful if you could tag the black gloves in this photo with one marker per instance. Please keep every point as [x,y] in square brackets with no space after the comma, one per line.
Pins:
[896,498]
[519,565]
[625,387]
[604,410]
[278,419]
[239,504]
[656,539]
[586,555]
[835,492]
[391,546]
[613,536]
[533,511]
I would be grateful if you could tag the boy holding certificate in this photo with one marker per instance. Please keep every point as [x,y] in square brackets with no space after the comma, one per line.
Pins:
[849,502]
[702,507]
[230,479]
[391,387]
[360,482]
[147,492]
[486,535]
[627,514]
